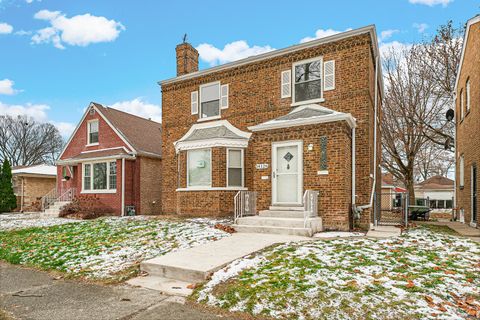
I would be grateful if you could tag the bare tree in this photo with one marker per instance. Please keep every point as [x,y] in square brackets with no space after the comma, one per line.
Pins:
[432,160]
[24,141]
[409,95]
[440,57]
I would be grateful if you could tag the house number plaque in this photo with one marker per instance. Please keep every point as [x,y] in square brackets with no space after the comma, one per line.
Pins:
[261,166]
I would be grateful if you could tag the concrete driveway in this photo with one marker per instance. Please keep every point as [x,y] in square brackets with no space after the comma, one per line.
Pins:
[30,294]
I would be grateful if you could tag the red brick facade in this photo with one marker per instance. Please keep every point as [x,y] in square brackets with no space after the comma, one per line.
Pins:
[254,98]
[142,173]
[468,126]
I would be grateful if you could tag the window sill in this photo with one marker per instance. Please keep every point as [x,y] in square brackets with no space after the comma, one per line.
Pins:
[97,191]
[212,189]
[300,103]
[92,144]
[209,118]
[322,172]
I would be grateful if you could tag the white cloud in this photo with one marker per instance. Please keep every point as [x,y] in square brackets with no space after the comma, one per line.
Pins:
[140,108]
[37,112]
[23,33]
[5,28]
[66,128]
[421,27]
[322,33]
[386,34]
[431,3]
[231,52]
[31,1]
[80,30]
[387,47]
[6,87]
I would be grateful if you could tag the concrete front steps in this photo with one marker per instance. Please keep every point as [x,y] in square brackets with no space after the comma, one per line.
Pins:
[280,220]
[54,209]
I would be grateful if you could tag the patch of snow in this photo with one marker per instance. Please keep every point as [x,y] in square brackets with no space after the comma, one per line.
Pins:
[338,234]
[13,221]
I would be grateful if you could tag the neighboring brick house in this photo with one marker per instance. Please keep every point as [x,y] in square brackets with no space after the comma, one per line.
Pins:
[115,156]
[31,183]
[278,123]
[467,88]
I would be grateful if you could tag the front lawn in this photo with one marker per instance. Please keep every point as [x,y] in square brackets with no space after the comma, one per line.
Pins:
[422,274]
[105,249]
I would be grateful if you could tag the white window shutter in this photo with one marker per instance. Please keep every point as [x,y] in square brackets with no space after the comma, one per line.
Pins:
[329,75]
[286,89]
[224,96]
[194,102]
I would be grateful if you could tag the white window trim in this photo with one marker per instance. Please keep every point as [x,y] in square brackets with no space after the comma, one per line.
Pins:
[467,96]
[462,106]
[200,101]
[461,173]
[292,79]
[91,178]
[88,133]
[211,169]
[242,151]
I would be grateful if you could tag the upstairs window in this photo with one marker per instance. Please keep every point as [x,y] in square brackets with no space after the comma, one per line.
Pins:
[210,100]
[92,128]
[307,80]
[462,107]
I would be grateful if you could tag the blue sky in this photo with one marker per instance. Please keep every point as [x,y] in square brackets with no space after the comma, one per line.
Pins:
[57,56]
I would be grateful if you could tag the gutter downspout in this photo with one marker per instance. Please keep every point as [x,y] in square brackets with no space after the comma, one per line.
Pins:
[374,142]
[456,210]
[123,186]
[353,167]
[23,195]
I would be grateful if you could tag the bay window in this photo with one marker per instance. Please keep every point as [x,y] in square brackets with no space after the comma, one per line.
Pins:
[210,100]
[307,80]
[100,176]
[234,168]
[199,168]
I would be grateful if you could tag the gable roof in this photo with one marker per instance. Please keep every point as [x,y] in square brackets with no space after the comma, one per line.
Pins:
[142,136]
[437,182]
[470,22]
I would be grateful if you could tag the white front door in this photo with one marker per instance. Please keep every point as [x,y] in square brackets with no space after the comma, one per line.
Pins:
[287,172]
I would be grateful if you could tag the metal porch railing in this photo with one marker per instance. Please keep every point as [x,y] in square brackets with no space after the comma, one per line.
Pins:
[245,204]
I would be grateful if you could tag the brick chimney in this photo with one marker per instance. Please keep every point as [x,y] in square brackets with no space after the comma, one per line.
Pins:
[187,58]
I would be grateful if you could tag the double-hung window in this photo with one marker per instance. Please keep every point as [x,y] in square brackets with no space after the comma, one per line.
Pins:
[235,168]
[92,129]
[100,176]
[210,100]
[199,168]
[307,80]
[467,95]
[462,171]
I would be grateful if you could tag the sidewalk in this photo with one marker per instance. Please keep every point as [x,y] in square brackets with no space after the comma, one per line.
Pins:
[31,294]
[461,228]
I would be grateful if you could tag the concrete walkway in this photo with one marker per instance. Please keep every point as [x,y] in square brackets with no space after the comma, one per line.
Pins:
[461,228]
[34,295]
[175,272]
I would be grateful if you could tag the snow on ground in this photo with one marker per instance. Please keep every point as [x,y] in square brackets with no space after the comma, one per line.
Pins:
[10,221]
[338,234]
[103,247]
[418,275]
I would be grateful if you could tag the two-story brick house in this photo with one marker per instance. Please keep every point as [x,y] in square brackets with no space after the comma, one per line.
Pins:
[116,157]
[278,123]
[467,116]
